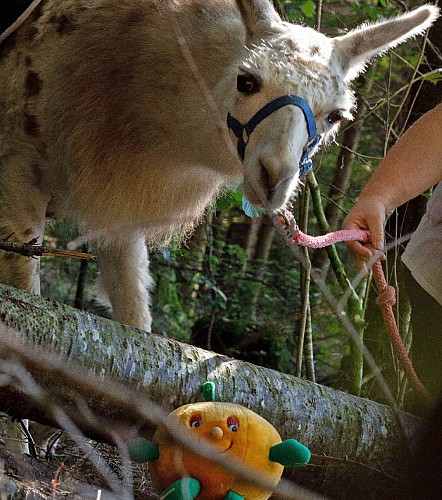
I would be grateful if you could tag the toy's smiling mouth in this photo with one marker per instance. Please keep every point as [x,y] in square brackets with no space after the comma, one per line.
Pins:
[228,449]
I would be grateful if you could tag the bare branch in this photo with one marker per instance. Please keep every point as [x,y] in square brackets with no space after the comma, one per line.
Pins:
[31,249]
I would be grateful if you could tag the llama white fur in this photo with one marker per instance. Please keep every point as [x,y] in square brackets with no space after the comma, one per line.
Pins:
[104,120]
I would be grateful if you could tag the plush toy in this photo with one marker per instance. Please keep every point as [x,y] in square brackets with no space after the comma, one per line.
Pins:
[237,432]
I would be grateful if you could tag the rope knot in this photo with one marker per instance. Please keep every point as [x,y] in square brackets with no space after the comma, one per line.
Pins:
[387,296]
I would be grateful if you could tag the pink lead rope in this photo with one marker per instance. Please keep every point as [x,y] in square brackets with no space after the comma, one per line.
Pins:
[287,227]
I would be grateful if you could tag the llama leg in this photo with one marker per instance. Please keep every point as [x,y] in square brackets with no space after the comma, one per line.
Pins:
[125,279]
[22,219]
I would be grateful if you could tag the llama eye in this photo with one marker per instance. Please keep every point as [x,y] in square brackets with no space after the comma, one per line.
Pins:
[247,84]
[335,117]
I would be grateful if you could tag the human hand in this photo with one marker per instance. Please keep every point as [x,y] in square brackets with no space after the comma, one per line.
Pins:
[368,214]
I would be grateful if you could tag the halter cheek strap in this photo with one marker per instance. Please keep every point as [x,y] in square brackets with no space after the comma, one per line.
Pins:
[242,132]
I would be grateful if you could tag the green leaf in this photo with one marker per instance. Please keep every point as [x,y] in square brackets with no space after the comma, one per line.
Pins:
[224,203]
[433,77]
[308,8]
[231,197]
[249,209]
[413,59]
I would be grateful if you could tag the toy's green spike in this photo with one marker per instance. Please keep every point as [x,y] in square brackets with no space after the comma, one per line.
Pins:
[141,450]
[232,495]
[290,453]
[187,488]
[209,391]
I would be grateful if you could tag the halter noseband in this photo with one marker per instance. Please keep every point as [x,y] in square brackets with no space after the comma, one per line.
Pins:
[242,132]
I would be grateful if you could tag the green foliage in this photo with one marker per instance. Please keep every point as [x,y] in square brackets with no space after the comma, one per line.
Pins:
[434,78]
[300,10]
[374,10]
[59,277]
[231,197]
[308,7]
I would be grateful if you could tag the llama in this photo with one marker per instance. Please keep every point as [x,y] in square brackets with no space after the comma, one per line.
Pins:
[115,112]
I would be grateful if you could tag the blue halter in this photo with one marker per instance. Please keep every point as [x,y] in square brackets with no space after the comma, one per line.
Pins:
[241,131]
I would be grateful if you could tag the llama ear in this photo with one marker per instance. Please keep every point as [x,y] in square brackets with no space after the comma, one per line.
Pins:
[355,49]
[260,18]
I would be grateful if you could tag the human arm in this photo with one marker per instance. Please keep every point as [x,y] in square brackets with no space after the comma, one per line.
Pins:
[413,165]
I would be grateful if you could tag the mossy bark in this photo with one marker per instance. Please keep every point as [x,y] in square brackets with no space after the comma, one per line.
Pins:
[170,373]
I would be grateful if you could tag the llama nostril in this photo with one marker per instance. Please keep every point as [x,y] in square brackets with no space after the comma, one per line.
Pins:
[216,433]
[265,179]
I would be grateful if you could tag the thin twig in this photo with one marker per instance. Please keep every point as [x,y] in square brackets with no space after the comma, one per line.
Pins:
[383,102]
[318,14]
[31,249]
[408,89]
[204,89]
[348,461]
[305,286]
[31,442]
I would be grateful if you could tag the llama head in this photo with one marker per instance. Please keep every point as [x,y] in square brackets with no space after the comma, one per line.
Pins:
[286,59]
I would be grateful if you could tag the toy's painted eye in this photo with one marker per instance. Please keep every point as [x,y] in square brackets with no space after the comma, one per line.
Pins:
[233,424]
[195,420]
[335,117]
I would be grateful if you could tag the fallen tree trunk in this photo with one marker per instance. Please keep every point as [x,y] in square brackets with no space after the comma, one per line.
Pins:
[361,438]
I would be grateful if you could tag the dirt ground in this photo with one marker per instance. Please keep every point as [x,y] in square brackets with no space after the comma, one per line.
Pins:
[66,473]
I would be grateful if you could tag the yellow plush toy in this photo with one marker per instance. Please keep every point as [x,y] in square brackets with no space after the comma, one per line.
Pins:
[237,432]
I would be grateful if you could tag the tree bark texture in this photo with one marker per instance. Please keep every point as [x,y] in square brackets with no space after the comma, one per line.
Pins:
[359,433]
